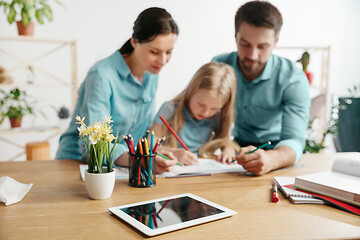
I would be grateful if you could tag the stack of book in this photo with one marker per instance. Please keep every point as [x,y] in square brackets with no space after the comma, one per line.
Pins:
[340,186]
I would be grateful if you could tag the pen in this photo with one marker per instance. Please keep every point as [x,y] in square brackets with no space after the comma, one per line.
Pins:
[174,133]
[275,195]
[259,147]
[163,156]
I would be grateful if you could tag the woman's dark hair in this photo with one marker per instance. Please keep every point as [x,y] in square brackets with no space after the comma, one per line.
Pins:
[259,14]
[150,23]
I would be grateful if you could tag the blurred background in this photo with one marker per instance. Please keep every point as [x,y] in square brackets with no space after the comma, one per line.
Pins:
[327,29]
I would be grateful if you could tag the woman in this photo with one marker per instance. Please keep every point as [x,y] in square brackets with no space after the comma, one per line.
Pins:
[124,86]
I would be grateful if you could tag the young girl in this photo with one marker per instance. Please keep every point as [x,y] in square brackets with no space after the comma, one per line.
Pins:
[124,85]
[201,115]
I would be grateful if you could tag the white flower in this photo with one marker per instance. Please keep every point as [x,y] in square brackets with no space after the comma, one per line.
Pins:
[110,138]
[94,138]
[82,131]
[108,119]
[80,120]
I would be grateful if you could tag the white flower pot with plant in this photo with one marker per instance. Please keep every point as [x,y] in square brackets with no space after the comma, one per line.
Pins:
[100,144]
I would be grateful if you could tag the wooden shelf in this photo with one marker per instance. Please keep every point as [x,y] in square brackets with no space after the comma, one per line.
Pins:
[18,54]
[320,83]
[58,44]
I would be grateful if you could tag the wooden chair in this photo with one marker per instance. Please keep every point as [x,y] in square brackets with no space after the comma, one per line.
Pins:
[38,151]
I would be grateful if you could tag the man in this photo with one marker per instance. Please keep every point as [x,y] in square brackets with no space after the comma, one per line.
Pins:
[273,97]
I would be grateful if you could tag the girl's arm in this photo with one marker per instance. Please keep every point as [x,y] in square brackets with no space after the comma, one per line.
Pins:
[227,155]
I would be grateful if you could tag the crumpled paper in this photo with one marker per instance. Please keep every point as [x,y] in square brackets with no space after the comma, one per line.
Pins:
[12,191]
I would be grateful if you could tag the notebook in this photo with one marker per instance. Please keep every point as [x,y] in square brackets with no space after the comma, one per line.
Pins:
[341,183]
[285,185]
[202,168]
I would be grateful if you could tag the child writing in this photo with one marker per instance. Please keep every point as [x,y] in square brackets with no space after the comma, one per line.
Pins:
[201,115]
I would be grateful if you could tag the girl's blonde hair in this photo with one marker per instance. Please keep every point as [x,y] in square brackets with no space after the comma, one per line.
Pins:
[220,80]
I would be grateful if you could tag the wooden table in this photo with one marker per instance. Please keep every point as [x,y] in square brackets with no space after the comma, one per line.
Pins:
[58,207]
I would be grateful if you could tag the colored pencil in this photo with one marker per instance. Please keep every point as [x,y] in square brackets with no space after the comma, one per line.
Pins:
[260,147]
[163,156]
[174,133]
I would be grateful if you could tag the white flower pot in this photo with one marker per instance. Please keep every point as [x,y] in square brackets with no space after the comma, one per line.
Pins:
[99,186]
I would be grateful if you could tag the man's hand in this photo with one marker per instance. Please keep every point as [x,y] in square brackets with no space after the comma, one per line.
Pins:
[263,161]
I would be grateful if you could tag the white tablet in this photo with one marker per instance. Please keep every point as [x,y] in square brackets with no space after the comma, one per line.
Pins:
[170,213]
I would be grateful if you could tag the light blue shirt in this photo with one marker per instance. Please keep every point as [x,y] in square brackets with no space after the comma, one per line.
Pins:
[275,106]
[110,88]
[195,132]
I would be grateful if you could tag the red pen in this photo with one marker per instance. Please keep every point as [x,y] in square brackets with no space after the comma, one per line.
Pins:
[275,195]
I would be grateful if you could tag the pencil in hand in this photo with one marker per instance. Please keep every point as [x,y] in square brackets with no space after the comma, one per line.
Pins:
[163,156]
[259,147]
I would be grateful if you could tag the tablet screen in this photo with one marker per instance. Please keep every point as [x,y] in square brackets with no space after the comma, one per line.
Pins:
[168,212]
[171,213]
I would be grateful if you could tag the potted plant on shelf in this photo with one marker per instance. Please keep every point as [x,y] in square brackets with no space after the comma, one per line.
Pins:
[305,60]
[14,105]
[98,138]
[27,10]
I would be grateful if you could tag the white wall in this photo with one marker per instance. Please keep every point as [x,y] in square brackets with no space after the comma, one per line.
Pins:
[206,29]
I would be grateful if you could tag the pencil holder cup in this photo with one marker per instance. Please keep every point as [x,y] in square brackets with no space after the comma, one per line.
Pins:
[142,170]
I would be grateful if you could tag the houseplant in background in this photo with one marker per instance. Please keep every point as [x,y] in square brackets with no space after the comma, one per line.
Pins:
[305,60]
[27,11]
[99,180]
[14,105]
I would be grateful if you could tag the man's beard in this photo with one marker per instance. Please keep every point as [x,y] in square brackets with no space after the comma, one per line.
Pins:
[252,68]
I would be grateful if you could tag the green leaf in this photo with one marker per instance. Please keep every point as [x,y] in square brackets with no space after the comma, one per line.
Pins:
[47,12]
[39,16]
[25,18]
[12,15]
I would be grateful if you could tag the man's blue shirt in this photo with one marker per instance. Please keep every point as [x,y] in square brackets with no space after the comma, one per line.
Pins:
[274,106]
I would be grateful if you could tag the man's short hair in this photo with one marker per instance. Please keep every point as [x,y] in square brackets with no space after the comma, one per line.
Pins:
[259,14]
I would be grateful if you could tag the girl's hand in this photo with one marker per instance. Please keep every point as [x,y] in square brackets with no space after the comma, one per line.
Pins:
[227,156]
[185,157]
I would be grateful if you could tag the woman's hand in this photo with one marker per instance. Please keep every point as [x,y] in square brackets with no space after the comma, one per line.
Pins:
[165,165]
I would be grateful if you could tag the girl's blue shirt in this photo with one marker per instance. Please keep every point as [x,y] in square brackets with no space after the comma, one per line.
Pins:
[195,132]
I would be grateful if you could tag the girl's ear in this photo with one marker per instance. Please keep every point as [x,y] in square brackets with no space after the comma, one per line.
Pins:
[133,42]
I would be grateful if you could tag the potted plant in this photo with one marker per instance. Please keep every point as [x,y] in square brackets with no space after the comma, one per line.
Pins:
[14,105]
[27,11]
[99,180]
[305,60]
